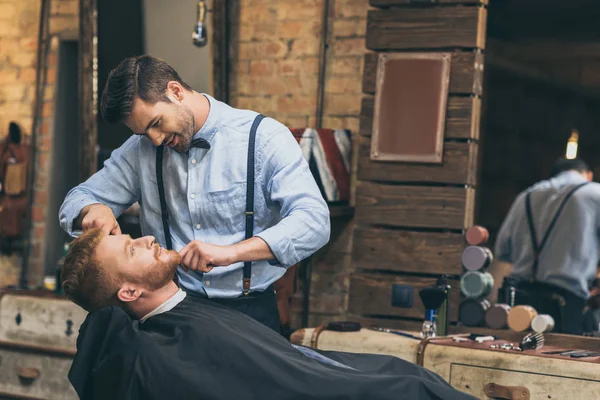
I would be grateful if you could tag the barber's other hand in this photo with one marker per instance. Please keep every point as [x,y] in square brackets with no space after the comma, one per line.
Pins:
[203,257]
[100,216]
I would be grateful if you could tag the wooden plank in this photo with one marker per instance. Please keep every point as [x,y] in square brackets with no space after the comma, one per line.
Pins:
[371,294]
[463,115]
[392,3]
[414,206]
[459,165]
[426,28]
[406,251]
[466,72]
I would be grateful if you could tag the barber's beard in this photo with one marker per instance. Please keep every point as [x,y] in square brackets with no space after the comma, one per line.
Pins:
[185,128]
[161,273]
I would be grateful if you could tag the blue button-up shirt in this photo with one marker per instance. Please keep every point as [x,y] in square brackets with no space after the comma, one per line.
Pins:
[569,258]
[206,196]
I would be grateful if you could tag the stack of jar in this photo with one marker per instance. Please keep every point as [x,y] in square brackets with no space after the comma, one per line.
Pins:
[477,283]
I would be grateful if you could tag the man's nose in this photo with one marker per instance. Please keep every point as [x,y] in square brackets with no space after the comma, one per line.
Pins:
[147,241]
[156,137]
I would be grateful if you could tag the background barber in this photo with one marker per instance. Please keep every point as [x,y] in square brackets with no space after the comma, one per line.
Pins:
[204,175]
[553,244]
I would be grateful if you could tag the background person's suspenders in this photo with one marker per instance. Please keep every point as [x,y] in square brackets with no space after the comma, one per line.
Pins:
[537,248]
[249,198]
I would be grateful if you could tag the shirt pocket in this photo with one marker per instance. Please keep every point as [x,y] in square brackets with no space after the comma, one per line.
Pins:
[227,209]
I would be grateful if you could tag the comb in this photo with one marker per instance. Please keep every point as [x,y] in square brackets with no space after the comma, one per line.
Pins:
[532,341]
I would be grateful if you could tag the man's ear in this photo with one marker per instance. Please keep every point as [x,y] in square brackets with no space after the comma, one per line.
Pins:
[175,91]
[590,176]
[129,292]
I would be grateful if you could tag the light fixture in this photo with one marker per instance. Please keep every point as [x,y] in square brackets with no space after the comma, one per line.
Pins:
[572,145]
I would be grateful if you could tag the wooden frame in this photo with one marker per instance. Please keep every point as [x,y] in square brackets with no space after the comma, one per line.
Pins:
[379,146]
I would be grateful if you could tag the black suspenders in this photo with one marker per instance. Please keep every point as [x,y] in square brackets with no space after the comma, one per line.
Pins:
[249,198]
[537,248]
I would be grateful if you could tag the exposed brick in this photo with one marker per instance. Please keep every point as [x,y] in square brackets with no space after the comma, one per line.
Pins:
[38,214]
[349,28]
[306,10]
[257,15]
[8,76]
[7,11]
[296,104]
[8,28]
[346,66]
[60,24]
[29,20]
[342,104]
[343,85]
[47,109]
[351,8]
[68,7]
[349,47]
[41,196]
[261,68]
[23,59]
[294,121]
[263,105]
[29,44]
[306,47]
[26,75]
[304,66]
[12,92]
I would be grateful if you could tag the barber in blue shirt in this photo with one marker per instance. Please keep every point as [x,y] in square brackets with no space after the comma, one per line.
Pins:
[554,248]
[204,187]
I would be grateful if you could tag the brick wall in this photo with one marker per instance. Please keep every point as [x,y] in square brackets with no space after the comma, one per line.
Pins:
[275,68]
[19,28]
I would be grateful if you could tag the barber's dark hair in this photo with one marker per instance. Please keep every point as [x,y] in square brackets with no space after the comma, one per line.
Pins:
[145,77]
[14,133]
[563,164]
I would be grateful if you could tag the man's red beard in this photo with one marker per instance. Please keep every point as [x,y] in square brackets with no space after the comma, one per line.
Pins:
[161,273]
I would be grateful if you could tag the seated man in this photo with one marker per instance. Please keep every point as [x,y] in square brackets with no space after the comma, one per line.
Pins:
[147,339]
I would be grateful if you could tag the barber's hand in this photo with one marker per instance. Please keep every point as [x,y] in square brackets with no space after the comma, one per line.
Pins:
[203,257]
[100,216]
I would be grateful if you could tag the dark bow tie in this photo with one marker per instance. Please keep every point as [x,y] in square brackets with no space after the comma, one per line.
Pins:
[200,143]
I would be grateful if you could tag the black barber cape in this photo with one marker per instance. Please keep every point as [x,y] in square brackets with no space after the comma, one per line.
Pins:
[202,350]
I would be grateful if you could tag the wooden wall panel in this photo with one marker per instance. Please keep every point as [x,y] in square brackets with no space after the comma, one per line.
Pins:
[462,117]
[414,206]
[458,166]
[426,28]
[391,3]
[466,73]
[371,294]
[406,251]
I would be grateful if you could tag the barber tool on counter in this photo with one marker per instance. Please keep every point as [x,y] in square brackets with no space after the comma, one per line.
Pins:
[436,300]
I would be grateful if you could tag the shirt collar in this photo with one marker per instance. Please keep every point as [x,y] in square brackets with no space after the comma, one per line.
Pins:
[166,306]
[209,128]
[570,177]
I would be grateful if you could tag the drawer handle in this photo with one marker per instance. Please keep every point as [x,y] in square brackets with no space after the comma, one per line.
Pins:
[495,391]
[29,374]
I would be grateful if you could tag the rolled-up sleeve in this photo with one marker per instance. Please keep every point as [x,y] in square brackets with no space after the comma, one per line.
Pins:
[287,181]
[117,186]
[503,247]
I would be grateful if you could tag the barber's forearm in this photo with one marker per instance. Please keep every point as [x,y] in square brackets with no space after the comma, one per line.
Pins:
[253,249]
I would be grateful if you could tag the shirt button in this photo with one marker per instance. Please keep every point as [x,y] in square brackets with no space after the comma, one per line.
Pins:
[193,196]
[207,283]
[193,161]
[197,226]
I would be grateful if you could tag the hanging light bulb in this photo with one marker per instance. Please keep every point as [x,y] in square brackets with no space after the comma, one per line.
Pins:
[572,145]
